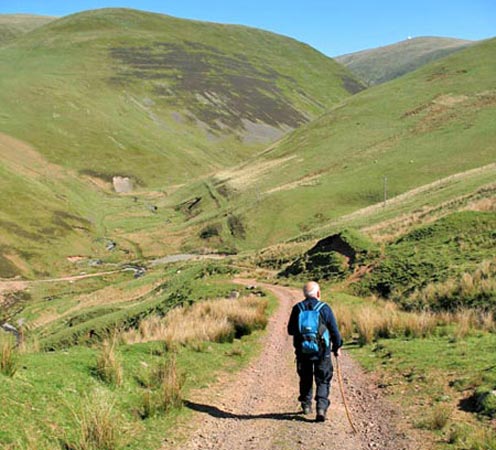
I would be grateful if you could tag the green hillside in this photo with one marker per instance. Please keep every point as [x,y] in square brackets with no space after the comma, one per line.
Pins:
[159,100]
[13,25]
[428,125]
[382,64]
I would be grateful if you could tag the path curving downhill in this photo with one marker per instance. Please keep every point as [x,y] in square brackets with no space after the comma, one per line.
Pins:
[258,409]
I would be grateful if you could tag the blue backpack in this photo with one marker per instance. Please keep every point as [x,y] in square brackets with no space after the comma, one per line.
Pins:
[314,333]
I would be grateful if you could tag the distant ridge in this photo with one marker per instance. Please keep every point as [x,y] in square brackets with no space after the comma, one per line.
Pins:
[378,65]
[14,25]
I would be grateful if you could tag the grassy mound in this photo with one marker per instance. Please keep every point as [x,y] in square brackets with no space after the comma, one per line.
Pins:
[334,257]
[433,253]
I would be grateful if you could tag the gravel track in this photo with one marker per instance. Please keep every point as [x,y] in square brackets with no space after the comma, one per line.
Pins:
[257,409]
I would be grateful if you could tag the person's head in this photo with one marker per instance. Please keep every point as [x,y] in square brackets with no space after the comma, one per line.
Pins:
[311,290]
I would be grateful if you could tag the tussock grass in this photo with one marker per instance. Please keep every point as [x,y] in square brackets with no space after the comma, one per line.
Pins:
[386,320]
[108,366]
[474,288]
[163,389]
[463,437]
[344,317]
[438,418]
[372,322]
[97,425]
[8,357]
[212,320]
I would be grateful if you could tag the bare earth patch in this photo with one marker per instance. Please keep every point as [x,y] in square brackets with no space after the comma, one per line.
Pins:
[257,409]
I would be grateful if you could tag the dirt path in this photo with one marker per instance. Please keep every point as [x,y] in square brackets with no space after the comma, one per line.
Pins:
[258,409]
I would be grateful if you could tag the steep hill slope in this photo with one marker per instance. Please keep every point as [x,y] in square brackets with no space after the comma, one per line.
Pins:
[47,214]
[378,65]
[13,25]
[430,124]
[157,98]
[146,96]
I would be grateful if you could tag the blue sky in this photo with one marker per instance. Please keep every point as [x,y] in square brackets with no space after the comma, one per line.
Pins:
[333,27]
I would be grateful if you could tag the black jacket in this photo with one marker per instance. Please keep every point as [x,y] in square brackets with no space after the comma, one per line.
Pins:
[329,320]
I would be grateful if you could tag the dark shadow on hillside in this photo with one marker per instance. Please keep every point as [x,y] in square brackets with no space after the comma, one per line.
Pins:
[468,404]
[220,414]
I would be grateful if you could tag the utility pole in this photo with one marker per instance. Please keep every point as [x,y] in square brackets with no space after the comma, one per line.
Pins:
[385,191]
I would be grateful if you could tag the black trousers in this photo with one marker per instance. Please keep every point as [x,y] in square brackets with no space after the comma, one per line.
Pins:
[320,369]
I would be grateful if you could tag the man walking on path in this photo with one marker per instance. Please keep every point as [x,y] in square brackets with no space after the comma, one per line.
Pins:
[313,350]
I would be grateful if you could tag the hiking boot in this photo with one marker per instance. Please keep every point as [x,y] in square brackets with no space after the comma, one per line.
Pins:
[307,409]
[321,415]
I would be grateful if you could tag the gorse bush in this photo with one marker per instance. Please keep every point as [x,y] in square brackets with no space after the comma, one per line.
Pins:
[185,286]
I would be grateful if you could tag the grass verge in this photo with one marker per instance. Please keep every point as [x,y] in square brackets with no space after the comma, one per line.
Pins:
[435,377]
[44,405]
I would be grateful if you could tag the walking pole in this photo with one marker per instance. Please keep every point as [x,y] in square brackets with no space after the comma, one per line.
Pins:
[341,388]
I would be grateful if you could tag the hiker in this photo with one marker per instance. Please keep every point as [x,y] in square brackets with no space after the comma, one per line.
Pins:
[315,334]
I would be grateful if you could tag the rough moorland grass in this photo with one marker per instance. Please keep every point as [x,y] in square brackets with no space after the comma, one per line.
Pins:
[163,387]
[430,374]
[219,320]
[432,253]
[55,383]
[375,320]
[9,362]
[108,365]
[97,424]
[475,289]
[185,284]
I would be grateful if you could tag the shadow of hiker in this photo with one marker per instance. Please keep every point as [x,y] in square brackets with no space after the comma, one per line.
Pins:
[220,414]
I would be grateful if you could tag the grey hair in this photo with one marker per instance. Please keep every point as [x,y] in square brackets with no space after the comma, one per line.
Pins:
[311,289]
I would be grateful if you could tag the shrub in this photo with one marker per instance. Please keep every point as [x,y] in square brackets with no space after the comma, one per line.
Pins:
[236,226]
[210,231]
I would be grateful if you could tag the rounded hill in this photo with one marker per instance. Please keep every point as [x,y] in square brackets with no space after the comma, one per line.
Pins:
[156,96]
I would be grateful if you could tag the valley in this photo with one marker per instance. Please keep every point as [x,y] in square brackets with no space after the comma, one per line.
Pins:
[167,187]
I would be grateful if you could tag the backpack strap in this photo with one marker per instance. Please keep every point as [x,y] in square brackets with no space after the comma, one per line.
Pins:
[319,306]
